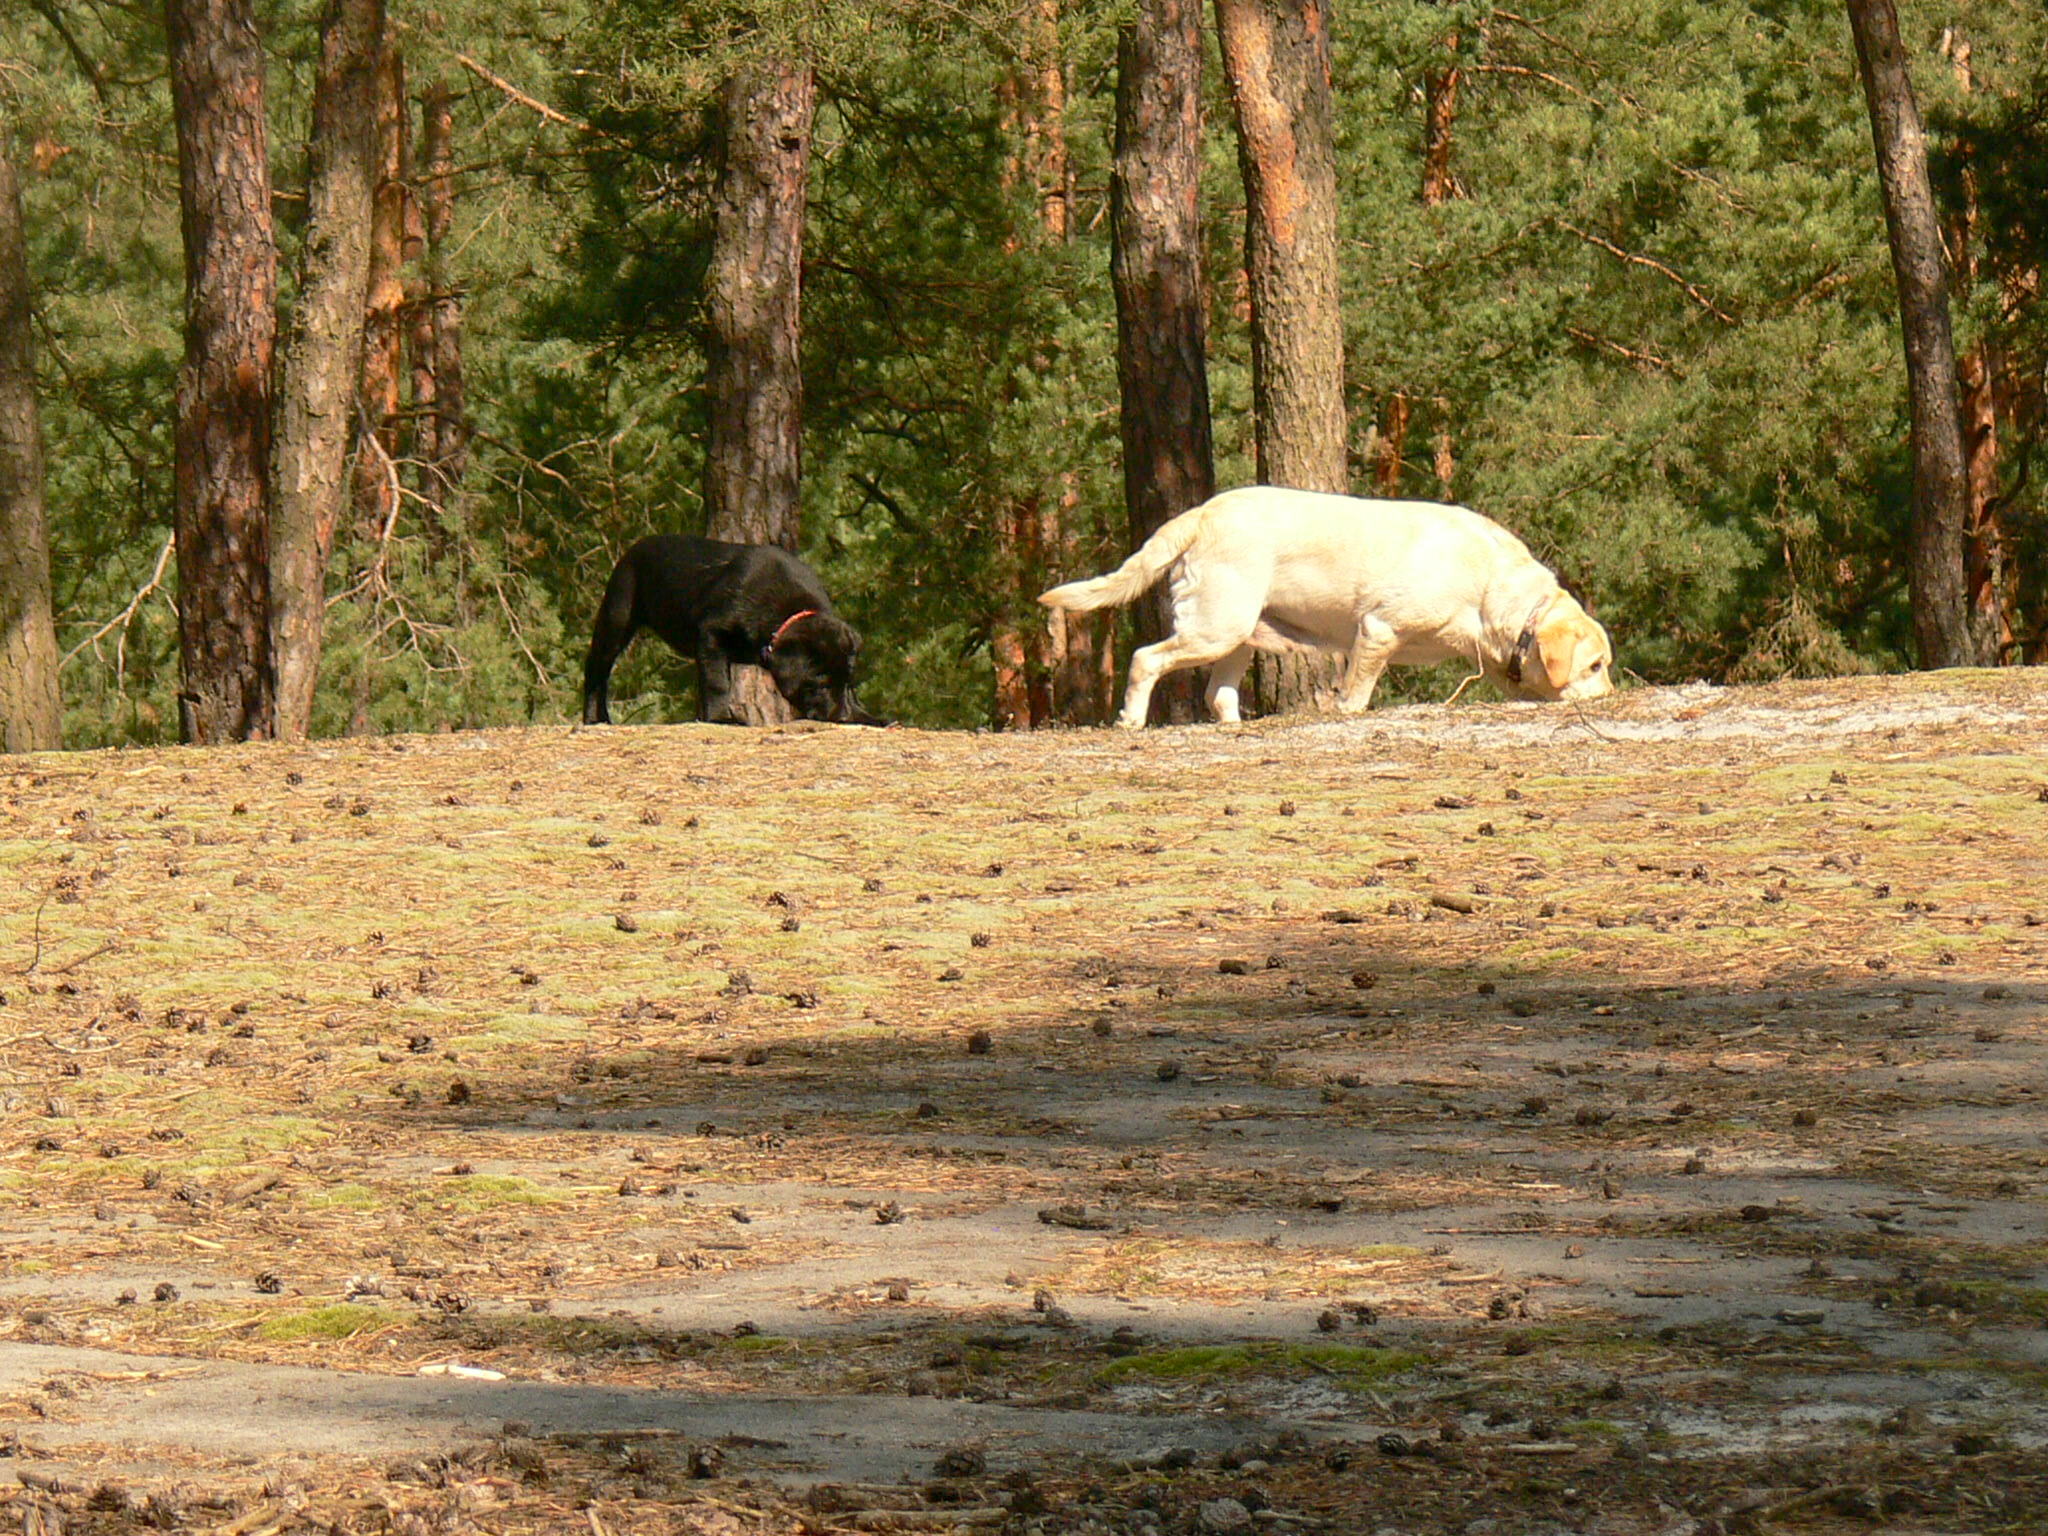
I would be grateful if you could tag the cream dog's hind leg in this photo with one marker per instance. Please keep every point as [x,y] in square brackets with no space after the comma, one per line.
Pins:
[1224,676]
[1152,662]
[1214,614]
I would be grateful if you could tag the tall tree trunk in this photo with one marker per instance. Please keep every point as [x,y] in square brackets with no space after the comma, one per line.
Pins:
[1073,643]
[379,398]
[224,385]
[1162,321]
[1944,626]
[1276,58]
[753,462]
[323,350]
[1390,447]
[2020,397]
[31,715]
[1978,371]
[450,456]
[1439,186]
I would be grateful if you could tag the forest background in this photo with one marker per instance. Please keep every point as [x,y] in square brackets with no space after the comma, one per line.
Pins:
[1613,272]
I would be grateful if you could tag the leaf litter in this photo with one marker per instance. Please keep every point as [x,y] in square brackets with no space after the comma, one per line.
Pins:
[1681,1137]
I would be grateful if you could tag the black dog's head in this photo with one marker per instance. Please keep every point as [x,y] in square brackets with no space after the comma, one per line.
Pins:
[811,659]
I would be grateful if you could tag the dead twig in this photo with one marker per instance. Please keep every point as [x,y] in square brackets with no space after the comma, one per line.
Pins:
[1692,289]
[1777,1508]
[1628,354]
[91,954]
[121,620]
[250,1188]
[553,114]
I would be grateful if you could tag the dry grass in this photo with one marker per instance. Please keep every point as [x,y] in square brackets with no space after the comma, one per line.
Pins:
[521,1019]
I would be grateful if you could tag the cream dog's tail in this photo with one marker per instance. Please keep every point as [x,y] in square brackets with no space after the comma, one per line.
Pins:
[1135,574]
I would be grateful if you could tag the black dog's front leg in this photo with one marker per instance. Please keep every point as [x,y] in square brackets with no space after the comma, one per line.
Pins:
[714,684]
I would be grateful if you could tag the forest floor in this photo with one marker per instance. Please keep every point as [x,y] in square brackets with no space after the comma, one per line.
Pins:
[1482,1120]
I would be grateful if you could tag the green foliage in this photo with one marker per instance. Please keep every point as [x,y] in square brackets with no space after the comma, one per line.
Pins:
[1655,331]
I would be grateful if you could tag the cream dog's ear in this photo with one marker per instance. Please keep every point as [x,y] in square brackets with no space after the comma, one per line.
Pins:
[1558,638]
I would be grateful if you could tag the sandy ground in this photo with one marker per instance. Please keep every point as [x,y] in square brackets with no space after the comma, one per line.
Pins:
[1619,1119]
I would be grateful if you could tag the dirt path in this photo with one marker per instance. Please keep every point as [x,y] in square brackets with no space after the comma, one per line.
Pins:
[1626,1113]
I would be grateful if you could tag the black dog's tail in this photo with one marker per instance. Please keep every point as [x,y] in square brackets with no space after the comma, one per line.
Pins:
[613,629]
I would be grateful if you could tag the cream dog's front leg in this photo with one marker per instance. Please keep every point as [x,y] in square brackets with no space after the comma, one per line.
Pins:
[1370,650]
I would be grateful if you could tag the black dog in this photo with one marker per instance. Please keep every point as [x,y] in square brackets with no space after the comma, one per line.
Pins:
[727,605]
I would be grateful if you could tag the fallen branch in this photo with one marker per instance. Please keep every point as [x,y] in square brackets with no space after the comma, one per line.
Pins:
[250,1188]
[91,954]
[1774,1509]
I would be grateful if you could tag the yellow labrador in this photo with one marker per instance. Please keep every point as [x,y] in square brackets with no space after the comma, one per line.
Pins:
[1269,569]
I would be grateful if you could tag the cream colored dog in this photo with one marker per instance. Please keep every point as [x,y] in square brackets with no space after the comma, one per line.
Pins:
[1268,569]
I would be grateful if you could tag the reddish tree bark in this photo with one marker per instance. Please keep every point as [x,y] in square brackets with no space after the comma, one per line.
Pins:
[1979,371]
[379,394]
[222,435]
[1391,446]
[1162,318]
[1439,120]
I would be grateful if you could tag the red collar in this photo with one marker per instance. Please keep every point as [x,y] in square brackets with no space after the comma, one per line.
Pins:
[783,628]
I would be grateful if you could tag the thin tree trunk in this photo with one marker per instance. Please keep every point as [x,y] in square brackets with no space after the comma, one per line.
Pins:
[1391,448]
[1161,308]
[444,300]
[1439,186]
[753,462]
[1071,642]
[1439,120]
[222,437]
[1023,673]
[2021,403]
[1978,371]
[323,351]
[378,395]
[1944,626]
[1019,647]
[1276,58]
[1445,459]
[31,714]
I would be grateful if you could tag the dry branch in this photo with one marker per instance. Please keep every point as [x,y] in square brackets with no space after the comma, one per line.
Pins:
[1692,290]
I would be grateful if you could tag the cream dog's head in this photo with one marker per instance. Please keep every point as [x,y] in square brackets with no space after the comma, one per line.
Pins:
[1570,654]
